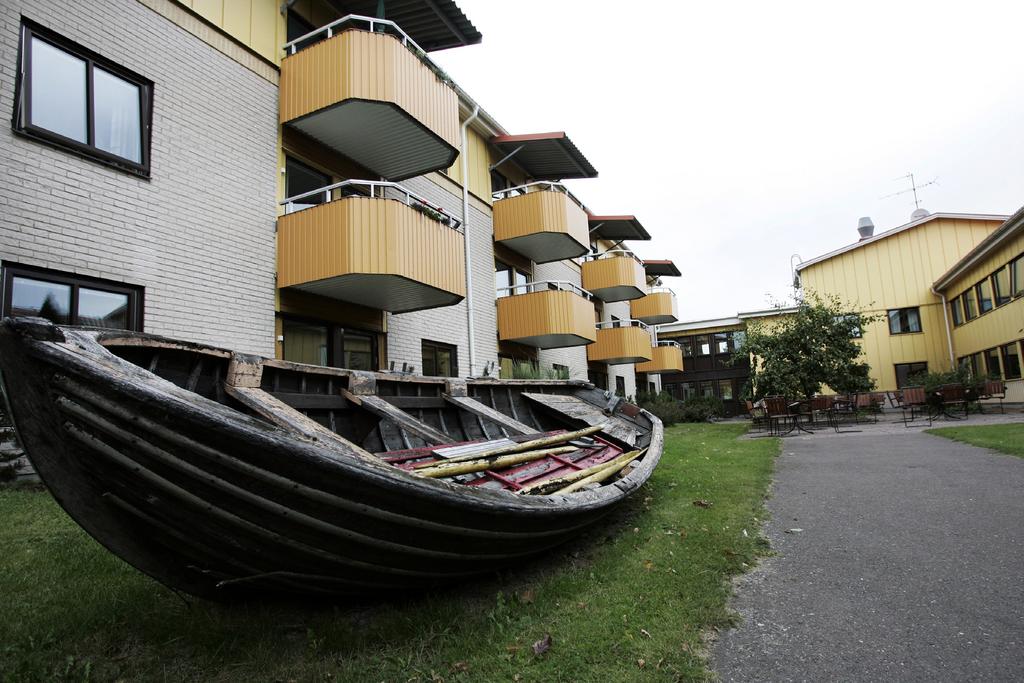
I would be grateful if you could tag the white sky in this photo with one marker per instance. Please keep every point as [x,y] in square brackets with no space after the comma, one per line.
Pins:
[740,133]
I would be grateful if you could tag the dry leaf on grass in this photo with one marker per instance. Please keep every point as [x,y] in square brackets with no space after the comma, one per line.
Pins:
[703,503]
[542,645]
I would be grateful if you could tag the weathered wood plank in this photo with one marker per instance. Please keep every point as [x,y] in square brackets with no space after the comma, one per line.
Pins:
[488,413]
[380,407]
[587,413]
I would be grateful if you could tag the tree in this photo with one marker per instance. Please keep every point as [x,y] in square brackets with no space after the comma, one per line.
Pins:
[796,353]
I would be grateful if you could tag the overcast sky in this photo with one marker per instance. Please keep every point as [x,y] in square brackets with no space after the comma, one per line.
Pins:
[740,133]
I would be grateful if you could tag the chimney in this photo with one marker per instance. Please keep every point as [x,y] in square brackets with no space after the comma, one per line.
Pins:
[866,228]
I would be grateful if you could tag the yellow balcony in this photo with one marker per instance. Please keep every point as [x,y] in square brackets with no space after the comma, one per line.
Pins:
[545,224]
[391,251]
[658,307]
[621,341]
[548,315]
[667,356]
[615,275]
[373,98]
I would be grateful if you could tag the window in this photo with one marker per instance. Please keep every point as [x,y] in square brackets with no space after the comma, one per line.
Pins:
[970,299]
[560,370]
[905,372]
[1011,361]
[651,388]
[507,276]
[620,386]
[300,179]
[957,308]
[67,299]
[322,343]
[499,182]
[439,360]
[72,98]
[1001,285]
[992,367]
[598,377]
[722,342]
[1017,276]
[687,344]
[904,321]
[984,296]
[707,389]
[972,363]
[703,345]
[298,27]
[725,390]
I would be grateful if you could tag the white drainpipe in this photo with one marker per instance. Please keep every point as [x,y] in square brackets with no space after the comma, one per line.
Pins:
[949,335]
[465,229]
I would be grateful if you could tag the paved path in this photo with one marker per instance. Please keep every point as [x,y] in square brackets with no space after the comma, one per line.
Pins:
[910,565]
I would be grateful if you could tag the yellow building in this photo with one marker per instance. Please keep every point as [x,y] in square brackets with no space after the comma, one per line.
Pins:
[892,274]
[984,292]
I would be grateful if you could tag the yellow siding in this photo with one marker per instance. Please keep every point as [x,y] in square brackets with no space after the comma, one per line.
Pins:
[257,24]
[369,66]
[362,235]
[668,358]
[545,313]
[653,305]
[897,272]
[1002,324]
[478,160]
[620,342]
[534,212]
[616,271]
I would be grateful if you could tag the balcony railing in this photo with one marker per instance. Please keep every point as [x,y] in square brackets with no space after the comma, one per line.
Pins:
[621,341]
[372,243]
[362,87]
[666,356]
[543,221]
[657,307]
[614,275]
[547,314]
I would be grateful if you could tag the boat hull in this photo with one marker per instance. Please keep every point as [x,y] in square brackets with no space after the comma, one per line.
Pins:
[218,503]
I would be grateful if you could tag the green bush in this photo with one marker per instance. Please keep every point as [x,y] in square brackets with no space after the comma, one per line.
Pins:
[670,411]
[531,370]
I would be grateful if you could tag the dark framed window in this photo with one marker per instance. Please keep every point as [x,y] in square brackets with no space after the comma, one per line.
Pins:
[972,363]
[499,182]
[70,97]
[297,27]
[562,370]
[1011,361]
[1001,285]
[970,299]
[598,376]
[984,289]
[620,386]
[702,345]
[957,308]
[300,178]
[1017,276]
[687,344]
[722,342]
[67,299]
[507,276]
[904,321]
[316,342]
[439,360]
[725,389]
[905,371]
[992,366]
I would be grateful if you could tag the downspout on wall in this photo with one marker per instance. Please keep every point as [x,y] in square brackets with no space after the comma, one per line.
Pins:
[465,227]
[949,335]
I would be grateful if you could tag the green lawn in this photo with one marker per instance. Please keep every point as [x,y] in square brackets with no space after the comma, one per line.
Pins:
[1008,438]
[628,602]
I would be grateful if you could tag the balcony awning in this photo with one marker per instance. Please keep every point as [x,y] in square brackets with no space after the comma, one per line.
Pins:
[546,156]
[433,24]
[661,269]
[617,228]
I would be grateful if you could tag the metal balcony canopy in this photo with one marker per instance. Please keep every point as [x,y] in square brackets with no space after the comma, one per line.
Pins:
[545,156]
[433,24]
[661,269]
[617,228]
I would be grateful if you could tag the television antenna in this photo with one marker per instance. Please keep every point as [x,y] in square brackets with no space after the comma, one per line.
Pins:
[914,187]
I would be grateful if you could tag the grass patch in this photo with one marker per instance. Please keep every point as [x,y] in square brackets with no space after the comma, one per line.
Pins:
[629,601]
[1005,438]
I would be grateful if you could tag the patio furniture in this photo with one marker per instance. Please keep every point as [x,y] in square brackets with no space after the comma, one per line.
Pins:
[777,413]
[866,402]
[914,400]
[952,397]
[825,405]
[991,389]
[802,408]
[757,415]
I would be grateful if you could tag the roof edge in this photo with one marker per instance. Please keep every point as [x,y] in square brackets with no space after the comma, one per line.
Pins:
[898,229]
[1013,225]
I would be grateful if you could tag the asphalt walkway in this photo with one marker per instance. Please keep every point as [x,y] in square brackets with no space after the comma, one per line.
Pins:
[900,557]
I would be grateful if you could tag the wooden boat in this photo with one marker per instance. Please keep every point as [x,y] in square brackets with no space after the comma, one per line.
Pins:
[221,474]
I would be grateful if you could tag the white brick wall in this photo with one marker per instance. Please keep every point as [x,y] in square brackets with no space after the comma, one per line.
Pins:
[620,310]
[449,324]
[199,236]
